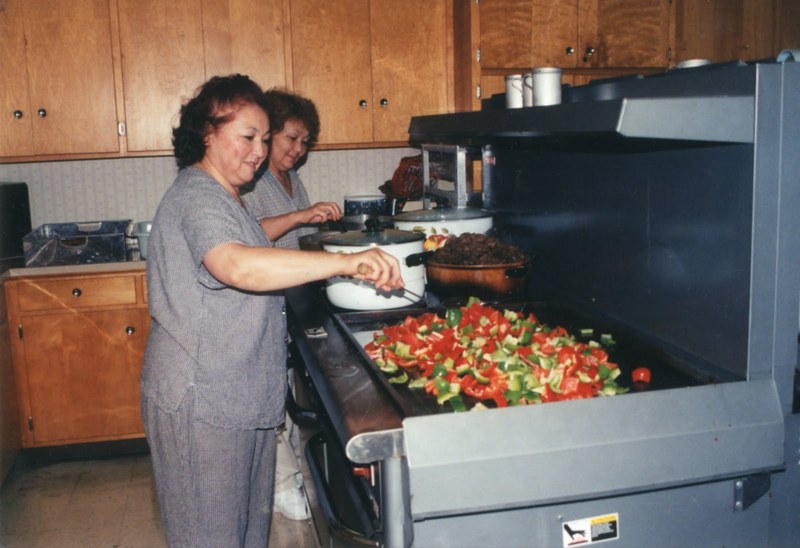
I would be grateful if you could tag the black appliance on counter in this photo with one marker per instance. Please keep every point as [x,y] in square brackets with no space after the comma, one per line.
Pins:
[664,209]
[15,223]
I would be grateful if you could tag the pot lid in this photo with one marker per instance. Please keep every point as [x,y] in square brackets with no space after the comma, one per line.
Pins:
[449,214]
[364,197]
[373,235]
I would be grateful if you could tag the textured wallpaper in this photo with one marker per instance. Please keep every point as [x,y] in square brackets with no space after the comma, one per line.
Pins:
[130,188]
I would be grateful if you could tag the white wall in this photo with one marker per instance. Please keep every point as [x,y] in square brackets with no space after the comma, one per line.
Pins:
[131,188]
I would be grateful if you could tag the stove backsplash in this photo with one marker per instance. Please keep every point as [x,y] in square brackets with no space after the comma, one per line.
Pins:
[131,188]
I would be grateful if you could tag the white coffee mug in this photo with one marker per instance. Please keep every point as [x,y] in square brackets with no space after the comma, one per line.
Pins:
[514,91]
[546,86]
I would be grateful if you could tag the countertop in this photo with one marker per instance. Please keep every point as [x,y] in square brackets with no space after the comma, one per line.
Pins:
[99,268]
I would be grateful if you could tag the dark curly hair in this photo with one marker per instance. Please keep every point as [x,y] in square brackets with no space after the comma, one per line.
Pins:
[283,105]
[199,115]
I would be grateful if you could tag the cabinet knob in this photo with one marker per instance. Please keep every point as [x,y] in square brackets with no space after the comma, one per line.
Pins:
[362,103]
[384,102]
[569,50]
[77,292]
[589,52]
[17,114]
[41,113]
[130,330]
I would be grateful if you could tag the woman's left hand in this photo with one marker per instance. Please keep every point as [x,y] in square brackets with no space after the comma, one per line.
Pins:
[321,212]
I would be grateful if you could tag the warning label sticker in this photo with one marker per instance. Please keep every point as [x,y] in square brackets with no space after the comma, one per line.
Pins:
[590,530]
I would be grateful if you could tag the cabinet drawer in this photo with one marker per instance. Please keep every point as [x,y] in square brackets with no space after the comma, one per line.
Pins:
[76,293]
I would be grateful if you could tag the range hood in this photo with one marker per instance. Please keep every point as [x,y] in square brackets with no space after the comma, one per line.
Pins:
[680,104]
[720,119]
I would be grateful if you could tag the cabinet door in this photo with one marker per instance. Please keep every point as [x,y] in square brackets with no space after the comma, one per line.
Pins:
[70,76]
[409,64]
[527,33]
[787,25]
[331,65]
[724,30]
[16,132]
[623,33]
[245,37]
[83,374]
[161,42]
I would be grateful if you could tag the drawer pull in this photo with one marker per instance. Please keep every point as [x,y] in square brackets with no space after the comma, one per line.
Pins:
[130,330]
[77,292]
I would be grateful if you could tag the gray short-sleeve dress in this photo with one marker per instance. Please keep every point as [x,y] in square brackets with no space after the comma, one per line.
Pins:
[225,344]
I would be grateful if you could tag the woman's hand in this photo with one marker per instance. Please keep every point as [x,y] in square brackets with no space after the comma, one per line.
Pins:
[376,266]
[277,226]
[320,212]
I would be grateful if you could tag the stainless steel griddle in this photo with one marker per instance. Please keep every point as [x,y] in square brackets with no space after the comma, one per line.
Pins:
[661,210]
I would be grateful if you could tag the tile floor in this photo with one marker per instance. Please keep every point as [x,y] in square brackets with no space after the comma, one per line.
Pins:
[99,503]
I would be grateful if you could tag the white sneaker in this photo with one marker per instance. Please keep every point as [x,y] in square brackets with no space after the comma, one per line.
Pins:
[292,504]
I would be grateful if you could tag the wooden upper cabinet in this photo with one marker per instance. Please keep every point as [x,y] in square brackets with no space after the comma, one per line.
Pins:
[245,37]
[528,33]
[170,48]
[623,33]
[16,129]
[57,71]
[331,66]
[574,33]
[161,44]
[787,25]
[410,73]
[369,65]
[725,30]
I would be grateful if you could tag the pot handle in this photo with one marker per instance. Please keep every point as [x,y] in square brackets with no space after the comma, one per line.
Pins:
[416,259]
[517,272]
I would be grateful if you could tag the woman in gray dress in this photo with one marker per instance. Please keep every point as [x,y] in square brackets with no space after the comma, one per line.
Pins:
[213,379]
[280,202]
[279,198]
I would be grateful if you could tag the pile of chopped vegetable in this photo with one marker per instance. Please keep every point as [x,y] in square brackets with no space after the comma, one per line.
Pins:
[497,357]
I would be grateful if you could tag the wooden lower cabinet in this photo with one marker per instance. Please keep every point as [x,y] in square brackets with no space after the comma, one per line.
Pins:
[77,365]
[9,417]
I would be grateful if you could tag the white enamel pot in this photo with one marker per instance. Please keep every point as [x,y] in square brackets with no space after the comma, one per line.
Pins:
[450,222]
[354,294]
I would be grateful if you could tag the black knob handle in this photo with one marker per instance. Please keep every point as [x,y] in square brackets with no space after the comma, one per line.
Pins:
[130,330]
[569,50]
[384,102]
[590,50]
[41,113]
[17,114]
[77,292]
[362,103]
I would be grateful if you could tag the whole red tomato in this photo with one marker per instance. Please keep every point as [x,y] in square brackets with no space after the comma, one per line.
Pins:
[641,374]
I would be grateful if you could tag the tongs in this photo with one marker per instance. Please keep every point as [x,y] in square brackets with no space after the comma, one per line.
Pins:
[412,296]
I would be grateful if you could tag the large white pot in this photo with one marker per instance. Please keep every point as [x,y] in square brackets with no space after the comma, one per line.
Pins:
[451,222]
[354,294]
